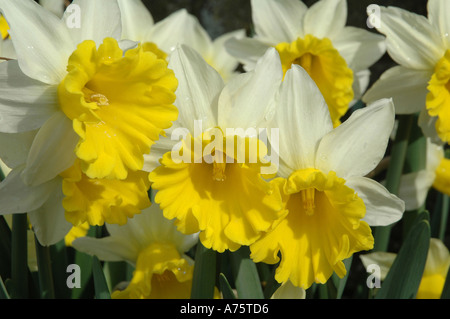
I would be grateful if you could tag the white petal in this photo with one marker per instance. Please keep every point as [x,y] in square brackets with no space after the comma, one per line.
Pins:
[381,259]
[438,259]
[16,197]
[382,207]
[52,151]
[414,188]
[41,40]
[411,40]
[428,125]
[288,291]
[406,87]
[326,18]
[48,221]
[14,147]
[25,104]
[359,47]
[438,13]
[247,51]
[136,19]
[219,58]
[7,49]
[357,146]
[246,100]
[179,28]
[278,20]
[108,248]
[361,81]
[98,20]
[55,6]
[161,147]
[302,118]
[198,89]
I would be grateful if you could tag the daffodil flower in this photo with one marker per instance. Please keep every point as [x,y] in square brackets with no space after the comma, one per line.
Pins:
[435,272]
[178,28]
[152,244]
[211,189]
[337,57]
[330,204]
[78,111]
[414,186]
[6,46]
[420,83]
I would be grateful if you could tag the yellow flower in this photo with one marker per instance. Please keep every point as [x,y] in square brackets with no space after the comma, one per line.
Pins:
[420,83]
[153,245]
[216,187]
[82,108]
[435,272]
[328,202]
[337,57]
[179,27]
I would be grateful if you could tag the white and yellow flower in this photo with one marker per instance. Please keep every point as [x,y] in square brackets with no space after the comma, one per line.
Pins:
[151,244]
[420,83]
[78,113]
[329,203]
[435,272]
[415,186]
[212,189]
[178,28]
[337,57]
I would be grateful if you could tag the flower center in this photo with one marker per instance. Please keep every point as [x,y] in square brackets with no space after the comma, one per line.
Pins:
[219,193]
[326,67]
[308,196]
[323,227]
[438,97]
[119,104]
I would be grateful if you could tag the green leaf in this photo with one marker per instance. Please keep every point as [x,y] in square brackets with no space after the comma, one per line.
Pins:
[396,164]
[225,287]
[100,284]
[446,291]
[19,257]
[246,278]
[5,249]
[3,291]
[403,279]
[341,282]
[45,273]
[204,278]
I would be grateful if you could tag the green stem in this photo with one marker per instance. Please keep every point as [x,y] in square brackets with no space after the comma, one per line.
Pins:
[204,278]
[416,159]
[45,271]
[19,256]
[394,172]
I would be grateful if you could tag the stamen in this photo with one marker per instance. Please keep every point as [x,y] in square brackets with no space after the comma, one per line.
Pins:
[308,200]
[219,171]
[98,98]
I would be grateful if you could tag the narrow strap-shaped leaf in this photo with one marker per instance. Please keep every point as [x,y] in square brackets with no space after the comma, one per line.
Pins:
[204,278]
[341,282]
[446,291]
[3,291]
[100,284]
[403,279]
[19,256]
[5,249]
[246,278]
[45,273]
[225,287]
[398,154]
